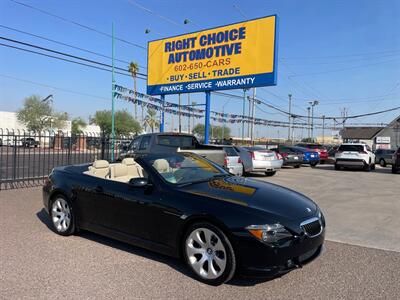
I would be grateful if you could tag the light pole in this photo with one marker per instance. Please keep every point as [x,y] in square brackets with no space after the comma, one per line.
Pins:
[243,112]
[179,116]
[323,129]
[290,117]
[308,122]
[223,122]
[313,103]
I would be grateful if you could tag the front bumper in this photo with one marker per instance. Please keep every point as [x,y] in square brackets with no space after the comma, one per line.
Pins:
[260,260]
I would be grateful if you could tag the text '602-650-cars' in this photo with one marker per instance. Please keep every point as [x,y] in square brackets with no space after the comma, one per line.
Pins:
[183,205]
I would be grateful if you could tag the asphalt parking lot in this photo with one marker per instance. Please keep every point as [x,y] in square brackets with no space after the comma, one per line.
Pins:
[361,260]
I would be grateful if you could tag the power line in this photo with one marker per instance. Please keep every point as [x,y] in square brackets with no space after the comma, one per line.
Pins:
[65,44]
[64,59]
[345,69]
[153,13]
[345,55]
[77,24]
[66,54]
[53,87]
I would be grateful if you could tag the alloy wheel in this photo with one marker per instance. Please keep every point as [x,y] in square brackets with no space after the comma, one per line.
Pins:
[206,253]
[61,215]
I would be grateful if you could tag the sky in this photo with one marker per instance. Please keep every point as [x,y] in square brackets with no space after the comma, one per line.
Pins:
[345,54]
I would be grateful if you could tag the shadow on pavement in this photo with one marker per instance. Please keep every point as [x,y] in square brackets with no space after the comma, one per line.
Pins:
[381,170]
[174,263]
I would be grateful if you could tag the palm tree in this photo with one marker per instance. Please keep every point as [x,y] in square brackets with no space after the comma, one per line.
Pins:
[151,119]
[133,68]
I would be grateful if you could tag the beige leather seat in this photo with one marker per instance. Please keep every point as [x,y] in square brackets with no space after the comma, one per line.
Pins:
[119,172]
[134,169]
[100,168]
[162,165]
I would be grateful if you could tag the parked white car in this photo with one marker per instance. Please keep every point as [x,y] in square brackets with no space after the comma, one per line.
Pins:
[257,159]
[354,155]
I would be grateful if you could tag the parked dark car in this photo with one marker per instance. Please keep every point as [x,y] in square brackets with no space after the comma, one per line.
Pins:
[396,162]
[384,157]
[309,157]
[29,142]
[183,205]
[172,142]
[290,156]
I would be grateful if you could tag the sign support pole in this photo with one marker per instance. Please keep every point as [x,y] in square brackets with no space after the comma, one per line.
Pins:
[207,118]
[112,96]
[162,113]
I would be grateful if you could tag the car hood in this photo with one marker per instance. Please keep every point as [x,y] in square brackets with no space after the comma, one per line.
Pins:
[260,195]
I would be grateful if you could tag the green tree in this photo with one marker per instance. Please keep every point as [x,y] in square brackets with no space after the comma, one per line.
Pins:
[38,115]
[151,119]
[77,124]
[215,132]
[133,68]
[125,124]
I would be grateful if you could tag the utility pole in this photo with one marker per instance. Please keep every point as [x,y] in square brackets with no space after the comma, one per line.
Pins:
[112,96]
[179,114]
[243,112]
[308,122]
[190,112]
[253,104]
[323,129]
[290,117]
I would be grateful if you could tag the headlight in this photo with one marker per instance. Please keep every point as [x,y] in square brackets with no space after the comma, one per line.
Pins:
[269,233]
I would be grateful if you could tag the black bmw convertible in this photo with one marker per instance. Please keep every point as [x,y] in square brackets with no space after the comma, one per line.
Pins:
[183,205]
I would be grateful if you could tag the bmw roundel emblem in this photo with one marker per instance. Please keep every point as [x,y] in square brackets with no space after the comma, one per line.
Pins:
[308,209]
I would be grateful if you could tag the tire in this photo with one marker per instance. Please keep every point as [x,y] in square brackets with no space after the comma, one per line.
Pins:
[367,168]
[272,173]
[382,162]
[62,216]
[394,170]
[296,166]
[373,167]
[313,164]
[337,168]
[209,254]
[322,162]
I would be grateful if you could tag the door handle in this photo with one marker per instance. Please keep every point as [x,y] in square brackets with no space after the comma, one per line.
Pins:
[99,189]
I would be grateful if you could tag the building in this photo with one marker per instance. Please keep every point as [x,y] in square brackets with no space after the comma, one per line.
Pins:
[383,137]
[9,123]
[388,137]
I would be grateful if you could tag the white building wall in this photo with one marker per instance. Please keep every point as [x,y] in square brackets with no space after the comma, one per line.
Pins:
[8,120]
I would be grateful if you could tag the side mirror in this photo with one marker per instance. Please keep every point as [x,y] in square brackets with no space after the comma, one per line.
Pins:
[139,182]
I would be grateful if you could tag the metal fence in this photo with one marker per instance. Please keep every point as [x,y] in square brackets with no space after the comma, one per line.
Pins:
[26,158]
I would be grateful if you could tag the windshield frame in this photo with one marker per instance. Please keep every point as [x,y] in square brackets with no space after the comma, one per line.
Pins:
[147,158]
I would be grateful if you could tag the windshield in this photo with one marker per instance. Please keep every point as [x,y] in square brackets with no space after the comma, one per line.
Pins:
[184,168]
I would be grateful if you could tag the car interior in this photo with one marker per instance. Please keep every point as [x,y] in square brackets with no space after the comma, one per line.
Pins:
[122,172]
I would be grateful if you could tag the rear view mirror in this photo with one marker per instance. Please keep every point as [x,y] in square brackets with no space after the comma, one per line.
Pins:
[139,182]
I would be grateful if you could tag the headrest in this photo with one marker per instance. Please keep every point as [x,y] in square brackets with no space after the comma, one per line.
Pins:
[129,161]
[120,170]
[161,165]
[100,164]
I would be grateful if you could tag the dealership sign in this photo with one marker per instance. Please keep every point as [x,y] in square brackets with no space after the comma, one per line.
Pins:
[383,139]
[236,56]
